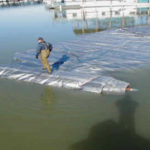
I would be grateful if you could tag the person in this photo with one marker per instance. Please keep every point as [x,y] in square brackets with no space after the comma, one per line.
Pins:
[44,49]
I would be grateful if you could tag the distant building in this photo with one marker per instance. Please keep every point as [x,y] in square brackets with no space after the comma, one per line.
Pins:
[65,4]
[144,1]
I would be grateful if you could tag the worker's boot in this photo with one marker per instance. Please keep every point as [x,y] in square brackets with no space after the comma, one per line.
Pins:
[49,70]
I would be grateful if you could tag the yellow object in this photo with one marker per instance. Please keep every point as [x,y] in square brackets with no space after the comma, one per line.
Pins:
[48,96]
[44,59]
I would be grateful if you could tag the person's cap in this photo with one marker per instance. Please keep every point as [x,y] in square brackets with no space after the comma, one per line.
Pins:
[40,38]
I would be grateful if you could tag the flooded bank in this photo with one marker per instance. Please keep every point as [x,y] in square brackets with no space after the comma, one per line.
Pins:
[39,117]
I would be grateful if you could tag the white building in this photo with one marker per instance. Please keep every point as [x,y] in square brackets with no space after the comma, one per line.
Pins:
[92,3]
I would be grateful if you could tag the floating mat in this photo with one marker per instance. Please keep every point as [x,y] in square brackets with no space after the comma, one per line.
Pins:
[107,85]
[88,83]
[85,62]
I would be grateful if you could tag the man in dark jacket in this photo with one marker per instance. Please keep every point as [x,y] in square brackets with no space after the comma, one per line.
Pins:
[43,49]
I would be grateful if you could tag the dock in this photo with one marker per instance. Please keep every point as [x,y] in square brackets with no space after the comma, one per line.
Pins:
[4,3]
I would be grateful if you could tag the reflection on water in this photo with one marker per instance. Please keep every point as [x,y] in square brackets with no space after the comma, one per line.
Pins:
[48,96]
[127,108]
[110,135]
[96,19]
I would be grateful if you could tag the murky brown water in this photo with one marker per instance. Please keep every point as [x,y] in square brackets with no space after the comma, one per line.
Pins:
[35,117]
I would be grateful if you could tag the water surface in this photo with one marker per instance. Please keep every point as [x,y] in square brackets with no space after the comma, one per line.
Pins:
[36,117]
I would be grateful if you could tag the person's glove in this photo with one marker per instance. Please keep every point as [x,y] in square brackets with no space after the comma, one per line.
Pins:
[36,56]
